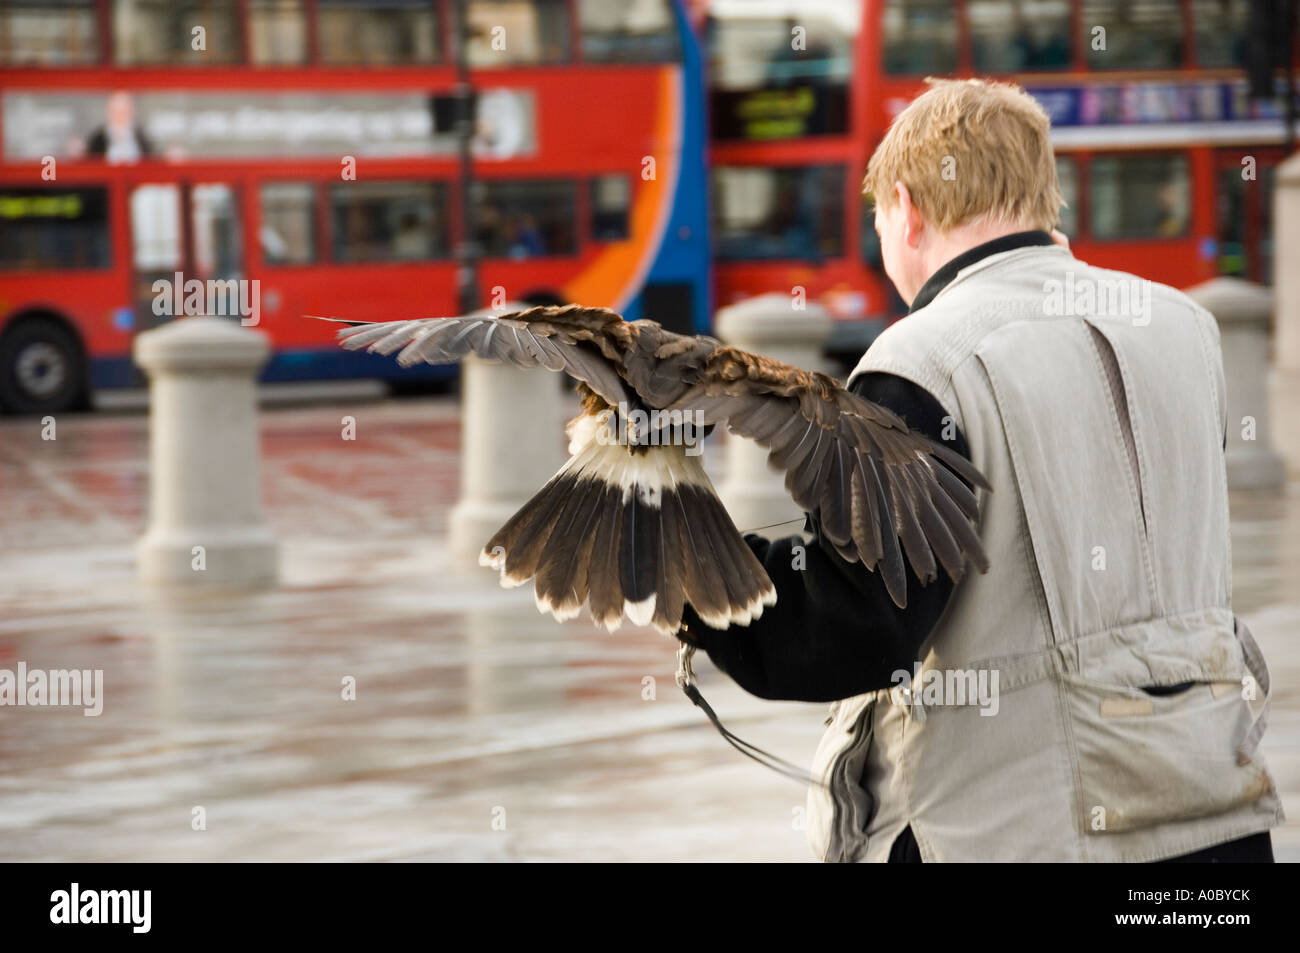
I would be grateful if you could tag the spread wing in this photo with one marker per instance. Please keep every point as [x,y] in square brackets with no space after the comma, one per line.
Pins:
[873,481]
[585,343]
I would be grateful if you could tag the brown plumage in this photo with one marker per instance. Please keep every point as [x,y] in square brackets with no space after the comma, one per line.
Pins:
[633,527]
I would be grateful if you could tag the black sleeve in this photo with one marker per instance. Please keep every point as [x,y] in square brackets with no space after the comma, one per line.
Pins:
[834,632]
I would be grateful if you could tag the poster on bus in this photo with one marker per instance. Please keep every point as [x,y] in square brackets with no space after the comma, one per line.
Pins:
[125,127]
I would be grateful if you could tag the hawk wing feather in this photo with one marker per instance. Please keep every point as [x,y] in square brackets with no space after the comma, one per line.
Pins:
[882,491]
[874,483]
[586,343]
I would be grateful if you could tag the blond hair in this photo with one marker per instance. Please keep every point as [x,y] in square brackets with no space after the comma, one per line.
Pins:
[968,151]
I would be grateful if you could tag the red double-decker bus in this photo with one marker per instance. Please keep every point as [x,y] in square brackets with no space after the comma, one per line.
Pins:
[299,157]
[1165,161]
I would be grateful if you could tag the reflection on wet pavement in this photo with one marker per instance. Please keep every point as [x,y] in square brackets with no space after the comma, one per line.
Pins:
[479,729]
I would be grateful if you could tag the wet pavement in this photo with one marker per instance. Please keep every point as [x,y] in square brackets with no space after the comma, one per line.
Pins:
[479,729]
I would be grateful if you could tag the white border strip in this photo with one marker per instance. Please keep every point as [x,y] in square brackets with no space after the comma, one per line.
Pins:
[1170,134]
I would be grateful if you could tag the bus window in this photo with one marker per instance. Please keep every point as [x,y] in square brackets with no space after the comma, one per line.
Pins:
[610,197]
[1138,196]
[526,219]
[218,241]
[1231,215]
[378,32]
[1146,35]
[511,32]
[277,32]
[389,221]
[40,33]
[161,31]
[1009,36]
[53,228]
[642,31]
[763,213]
[1067,174]
[1220,32]
[288,231]
[1264,224]
[156,228]
[1244,215]
[920,36]
[763,87]
[157,247]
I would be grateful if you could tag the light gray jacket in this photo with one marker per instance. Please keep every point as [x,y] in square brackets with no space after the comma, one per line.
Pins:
[1094,404]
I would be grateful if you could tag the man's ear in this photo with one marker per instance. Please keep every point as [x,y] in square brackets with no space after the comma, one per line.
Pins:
[913,224]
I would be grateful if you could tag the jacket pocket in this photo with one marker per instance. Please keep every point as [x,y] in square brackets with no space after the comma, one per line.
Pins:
[1146,759]
[840,809]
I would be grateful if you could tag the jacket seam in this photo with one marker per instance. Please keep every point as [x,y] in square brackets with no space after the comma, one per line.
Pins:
[1134,481]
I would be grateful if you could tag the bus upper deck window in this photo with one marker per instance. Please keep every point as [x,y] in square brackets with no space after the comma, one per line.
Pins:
[642,31]
[920,36]
[277,32]
[611,196]
[378,32]
[1221,27]
[39,33]
[1010,36]
[1120,34]
[513,32]
[764,86]
[162,31]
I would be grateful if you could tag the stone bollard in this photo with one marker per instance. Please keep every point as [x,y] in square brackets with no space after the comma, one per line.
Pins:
[754,495]
[205,515]
[1286,284]
[1244,312]
[509,446]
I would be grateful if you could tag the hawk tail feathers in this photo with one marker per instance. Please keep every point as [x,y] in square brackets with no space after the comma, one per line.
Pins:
[630,532]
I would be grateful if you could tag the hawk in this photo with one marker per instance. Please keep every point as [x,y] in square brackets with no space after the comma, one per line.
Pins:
[631,527]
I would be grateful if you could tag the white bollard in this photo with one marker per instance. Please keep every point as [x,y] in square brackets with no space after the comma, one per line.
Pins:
[1286,284]
[205,515]
[1244,312]
[509,445]
[769,324]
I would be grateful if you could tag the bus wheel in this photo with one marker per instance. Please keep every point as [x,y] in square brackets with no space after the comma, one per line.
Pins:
[41,368]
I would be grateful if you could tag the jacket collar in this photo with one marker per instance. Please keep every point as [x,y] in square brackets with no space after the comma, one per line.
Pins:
[941,278]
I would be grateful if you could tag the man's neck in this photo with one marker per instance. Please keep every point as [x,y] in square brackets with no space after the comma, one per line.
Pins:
[949,270]
[942,247]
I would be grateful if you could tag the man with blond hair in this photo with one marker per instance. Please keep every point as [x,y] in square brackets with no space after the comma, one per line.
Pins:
[1089,698]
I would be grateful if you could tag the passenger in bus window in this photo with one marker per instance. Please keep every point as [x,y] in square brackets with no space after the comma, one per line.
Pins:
[1171,219]
[525,240]
[412,240]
